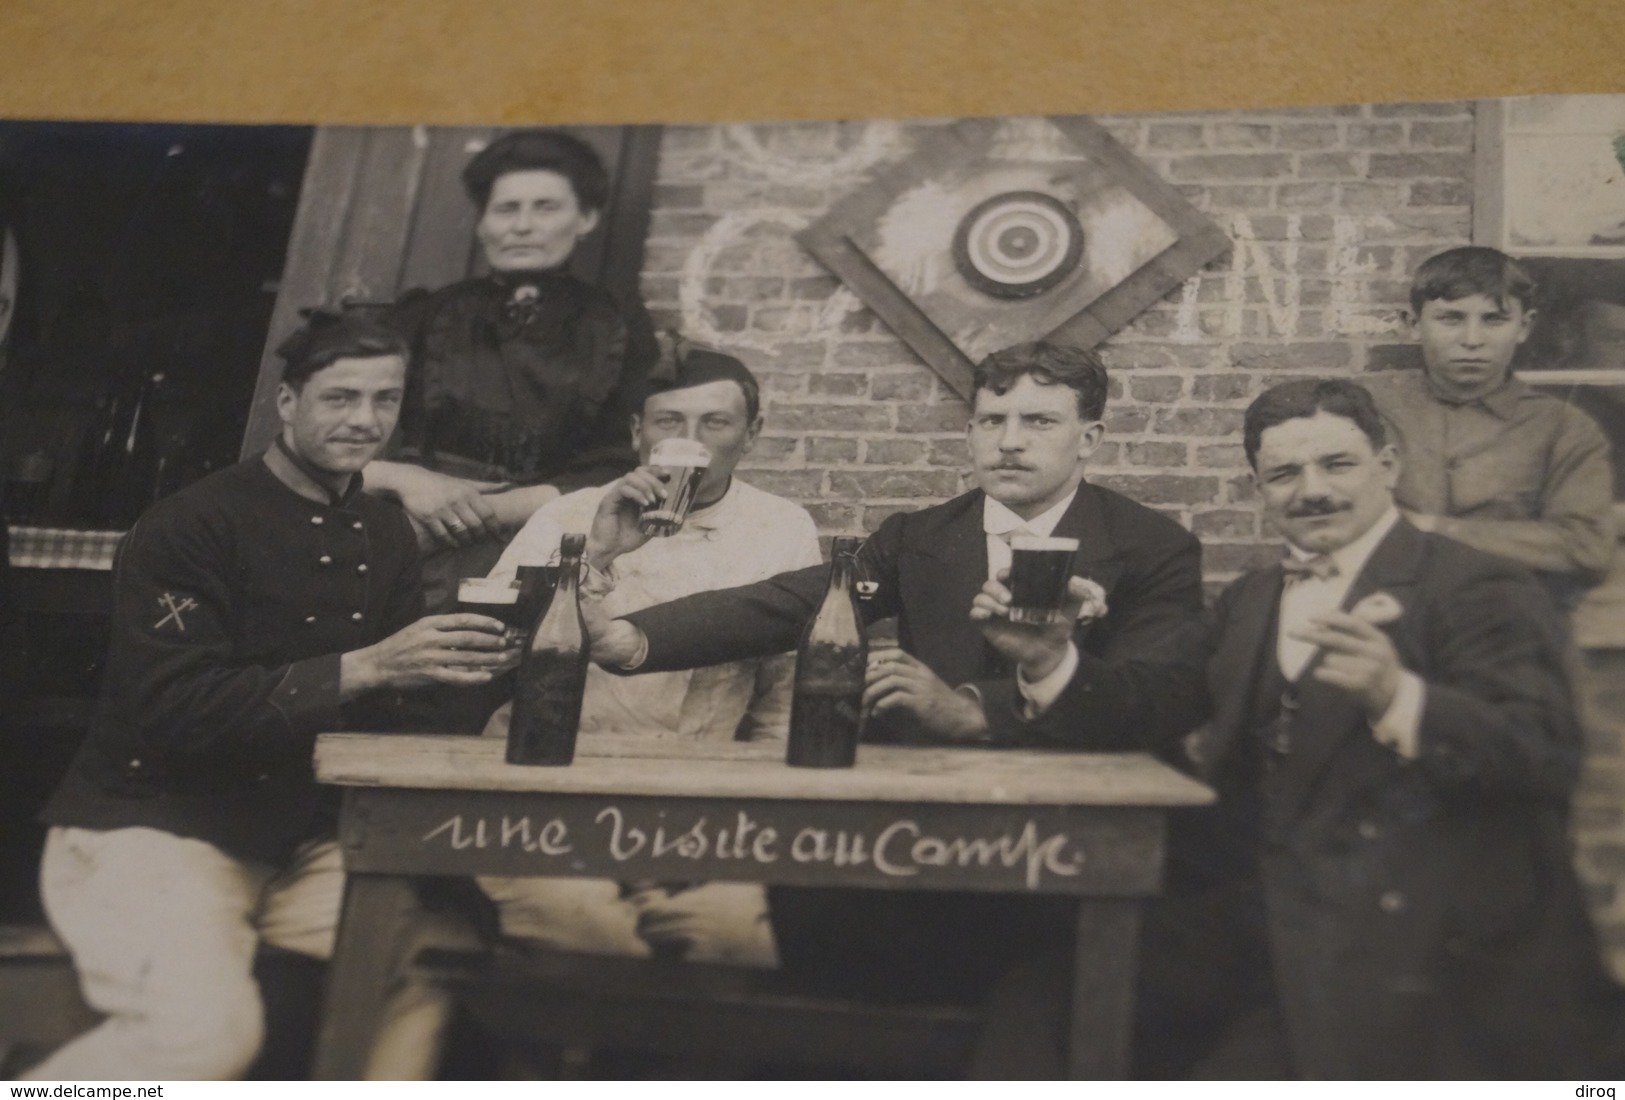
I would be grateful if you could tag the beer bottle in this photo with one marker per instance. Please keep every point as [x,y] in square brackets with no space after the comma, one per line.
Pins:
[552,672]
[137,463]
[119,464]
[94,465]
[536,583]
[827,706]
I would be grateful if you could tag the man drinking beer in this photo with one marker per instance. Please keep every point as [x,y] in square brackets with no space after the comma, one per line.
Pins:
[726,533]
[1035,422]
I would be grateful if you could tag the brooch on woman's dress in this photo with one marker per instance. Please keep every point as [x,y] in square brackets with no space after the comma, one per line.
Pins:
[524,304]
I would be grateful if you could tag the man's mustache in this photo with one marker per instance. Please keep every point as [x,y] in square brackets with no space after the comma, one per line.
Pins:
[1319,507]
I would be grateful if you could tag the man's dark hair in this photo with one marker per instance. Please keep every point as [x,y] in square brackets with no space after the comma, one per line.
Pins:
[1464,272]
[1077,369]
[328,336]
[539,151]
[688,365]
[1304,398]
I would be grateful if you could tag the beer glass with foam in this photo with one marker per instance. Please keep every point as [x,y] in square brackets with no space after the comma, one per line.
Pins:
[682,464]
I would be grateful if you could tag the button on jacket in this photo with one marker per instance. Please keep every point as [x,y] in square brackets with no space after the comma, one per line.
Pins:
[233,601]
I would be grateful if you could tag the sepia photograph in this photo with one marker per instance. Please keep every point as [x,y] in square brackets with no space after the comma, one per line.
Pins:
[1126,595]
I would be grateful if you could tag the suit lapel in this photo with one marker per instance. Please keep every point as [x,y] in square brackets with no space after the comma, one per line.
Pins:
[952,569]
[1235,670]
[1085,521]
[1327,716]
[954,565]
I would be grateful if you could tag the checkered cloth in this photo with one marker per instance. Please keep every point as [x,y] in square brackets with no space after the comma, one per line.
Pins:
[62,548]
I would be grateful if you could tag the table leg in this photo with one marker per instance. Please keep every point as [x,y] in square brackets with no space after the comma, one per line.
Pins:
[373,933]
[1098,1038]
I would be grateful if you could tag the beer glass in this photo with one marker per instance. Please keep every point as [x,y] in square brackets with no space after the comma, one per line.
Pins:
[682,463]
[1039,569]
[482,596]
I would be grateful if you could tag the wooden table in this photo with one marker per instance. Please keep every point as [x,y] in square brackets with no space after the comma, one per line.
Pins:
[1088,825]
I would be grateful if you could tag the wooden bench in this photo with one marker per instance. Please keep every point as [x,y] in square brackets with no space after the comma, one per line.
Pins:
[544,999]
[532,999]
[40,1005]
[41,1008]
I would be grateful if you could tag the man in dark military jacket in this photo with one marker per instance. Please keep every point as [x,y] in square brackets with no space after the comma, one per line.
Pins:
[266,603]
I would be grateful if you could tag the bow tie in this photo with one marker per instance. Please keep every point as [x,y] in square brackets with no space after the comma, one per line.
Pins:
[1321,567]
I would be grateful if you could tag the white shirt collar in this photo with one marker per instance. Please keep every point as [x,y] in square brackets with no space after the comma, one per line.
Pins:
[1351,558]
[714,514]
[998,519]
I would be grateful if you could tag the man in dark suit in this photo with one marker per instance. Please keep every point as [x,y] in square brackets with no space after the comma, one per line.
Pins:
[1034,424]
[1393,739]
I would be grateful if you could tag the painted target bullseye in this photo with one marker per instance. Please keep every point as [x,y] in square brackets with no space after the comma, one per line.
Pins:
[1018,244]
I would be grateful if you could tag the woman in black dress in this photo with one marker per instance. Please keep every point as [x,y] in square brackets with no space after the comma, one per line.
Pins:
[522,380]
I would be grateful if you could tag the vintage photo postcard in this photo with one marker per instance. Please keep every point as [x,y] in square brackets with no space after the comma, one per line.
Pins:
[270,393]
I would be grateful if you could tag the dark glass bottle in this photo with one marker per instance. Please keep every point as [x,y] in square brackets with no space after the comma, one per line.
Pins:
[553,672]
[136,466]
[826,711]
[536,584]
[93,465]
[118,467]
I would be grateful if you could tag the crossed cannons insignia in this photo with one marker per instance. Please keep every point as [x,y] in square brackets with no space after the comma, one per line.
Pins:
[174,607]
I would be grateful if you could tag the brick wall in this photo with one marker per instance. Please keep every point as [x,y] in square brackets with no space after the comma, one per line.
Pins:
[1330,208]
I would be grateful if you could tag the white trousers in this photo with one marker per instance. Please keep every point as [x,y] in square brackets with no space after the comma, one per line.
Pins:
[163,931]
